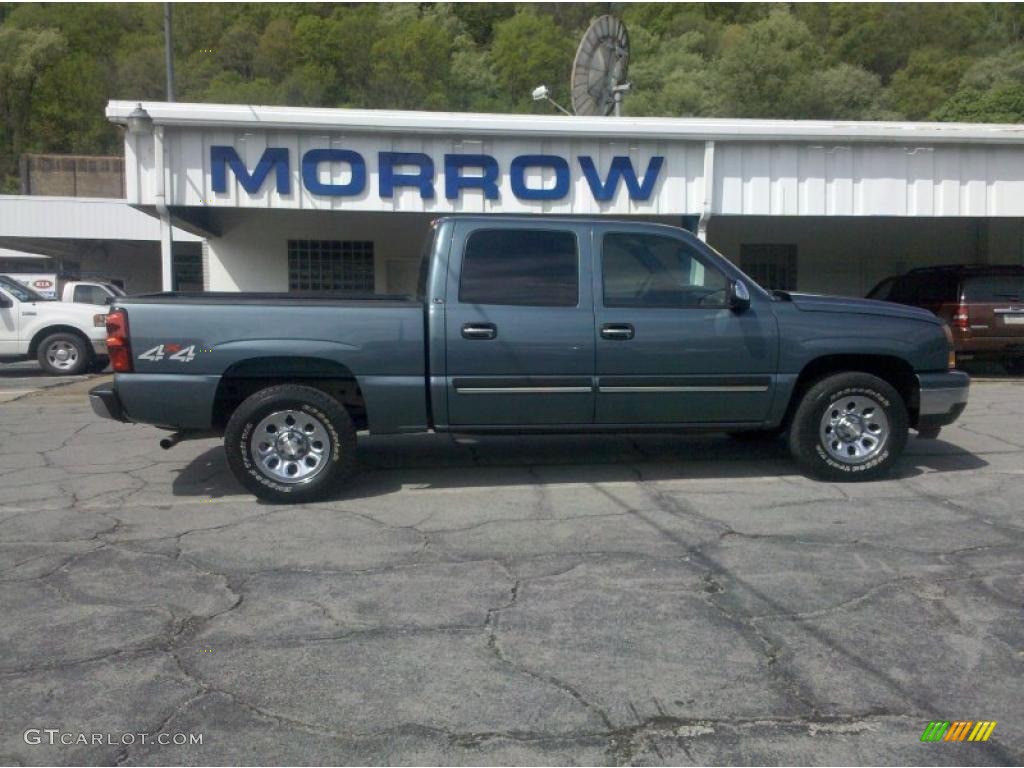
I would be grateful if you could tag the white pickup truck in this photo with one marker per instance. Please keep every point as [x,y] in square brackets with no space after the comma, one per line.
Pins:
[85,292]
[65,338]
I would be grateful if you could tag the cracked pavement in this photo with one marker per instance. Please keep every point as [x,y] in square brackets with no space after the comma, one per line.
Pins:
[554,600]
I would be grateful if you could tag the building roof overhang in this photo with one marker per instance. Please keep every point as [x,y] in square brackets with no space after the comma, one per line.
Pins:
[180,114]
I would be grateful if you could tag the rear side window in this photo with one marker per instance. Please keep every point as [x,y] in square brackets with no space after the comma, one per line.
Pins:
[994,288]
[925,288]
[90,294]
[538,268]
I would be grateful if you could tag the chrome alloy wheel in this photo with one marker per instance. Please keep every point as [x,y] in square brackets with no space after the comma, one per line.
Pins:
[62,355]
[854,429]
[290,447]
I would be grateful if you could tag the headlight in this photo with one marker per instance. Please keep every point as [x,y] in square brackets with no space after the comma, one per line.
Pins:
[951,360]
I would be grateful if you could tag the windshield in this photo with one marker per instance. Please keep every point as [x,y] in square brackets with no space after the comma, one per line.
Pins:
[19,291]
[114,289]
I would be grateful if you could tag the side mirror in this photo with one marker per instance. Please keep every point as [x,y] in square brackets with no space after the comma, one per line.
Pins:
[5,303]
[739,296]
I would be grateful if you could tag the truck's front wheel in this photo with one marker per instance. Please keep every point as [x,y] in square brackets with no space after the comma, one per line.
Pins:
[849,426]
[290,444]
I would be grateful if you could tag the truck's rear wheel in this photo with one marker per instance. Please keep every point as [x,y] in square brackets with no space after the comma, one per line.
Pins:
[849,426]
[290,444]
[64,354]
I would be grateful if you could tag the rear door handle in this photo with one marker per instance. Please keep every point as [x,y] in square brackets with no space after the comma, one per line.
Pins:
[479,331]
[617,331]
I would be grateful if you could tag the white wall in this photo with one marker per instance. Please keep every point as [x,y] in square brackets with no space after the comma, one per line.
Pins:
[252,252]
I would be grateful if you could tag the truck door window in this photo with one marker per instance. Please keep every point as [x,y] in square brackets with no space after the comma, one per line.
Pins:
[518,267]
[656,271]
[90,294]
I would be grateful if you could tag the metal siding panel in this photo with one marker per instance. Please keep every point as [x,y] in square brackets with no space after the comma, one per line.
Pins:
[920,181]
[785,170]
[812,178]
[947,178]
[1007,186]
[973,179]
[840,182]
[757,180]
[729,179]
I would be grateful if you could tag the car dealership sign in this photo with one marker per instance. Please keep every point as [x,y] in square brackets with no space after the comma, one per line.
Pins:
[415,170]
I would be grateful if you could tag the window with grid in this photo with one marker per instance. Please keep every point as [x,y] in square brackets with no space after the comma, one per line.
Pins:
[771,265]
[343,266]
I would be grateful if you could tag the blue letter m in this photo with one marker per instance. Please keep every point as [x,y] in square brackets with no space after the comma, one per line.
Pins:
[622,168]
[221,157]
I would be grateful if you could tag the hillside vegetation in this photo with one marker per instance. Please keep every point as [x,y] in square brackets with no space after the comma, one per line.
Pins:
[60,63]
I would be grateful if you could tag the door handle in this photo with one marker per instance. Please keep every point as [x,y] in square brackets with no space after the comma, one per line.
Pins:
[617,331]
[479,331]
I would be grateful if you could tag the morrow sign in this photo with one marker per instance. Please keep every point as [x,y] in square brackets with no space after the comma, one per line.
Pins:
[416,170]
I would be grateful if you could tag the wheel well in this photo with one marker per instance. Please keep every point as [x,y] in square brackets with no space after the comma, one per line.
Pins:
[250,376]
[33,346]
[894,370]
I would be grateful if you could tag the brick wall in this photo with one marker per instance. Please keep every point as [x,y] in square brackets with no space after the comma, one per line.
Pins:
[72,176]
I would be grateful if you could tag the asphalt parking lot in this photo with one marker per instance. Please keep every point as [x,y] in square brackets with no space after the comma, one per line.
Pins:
[557,600]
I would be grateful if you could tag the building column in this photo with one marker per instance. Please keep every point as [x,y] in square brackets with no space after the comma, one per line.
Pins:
[166,228]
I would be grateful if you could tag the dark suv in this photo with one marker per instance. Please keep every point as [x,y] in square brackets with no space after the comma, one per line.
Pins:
[983,304]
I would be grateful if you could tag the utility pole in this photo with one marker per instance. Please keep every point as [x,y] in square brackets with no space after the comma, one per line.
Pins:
[168,52]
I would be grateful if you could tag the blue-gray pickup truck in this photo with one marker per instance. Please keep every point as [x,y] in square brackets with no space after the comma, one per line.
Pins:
[525,325]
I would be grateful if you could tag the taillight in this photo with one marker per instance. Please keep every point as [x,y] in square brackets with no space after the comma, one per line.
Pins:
[951,358]
[118,348]
[961,318]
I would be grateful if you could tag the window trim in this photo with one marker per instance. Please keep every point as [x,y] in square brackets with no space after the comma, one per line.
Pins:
[542,230]
[700,257]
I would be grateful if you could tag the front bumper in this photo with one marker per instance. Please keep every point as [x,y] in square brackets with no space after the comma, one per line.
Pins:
[943,397]
[106,403]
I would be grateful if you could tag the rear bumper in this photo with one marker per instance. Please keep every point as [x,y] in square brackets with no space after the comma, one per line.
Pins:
[106,403]
[943,397]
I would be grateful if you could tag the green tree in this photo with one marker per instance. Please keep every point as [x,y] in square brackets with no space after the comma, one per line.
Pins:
[847,92]
[930,77]
[767,68]
[670,77]
[528,51]
[25,55]
[991,91]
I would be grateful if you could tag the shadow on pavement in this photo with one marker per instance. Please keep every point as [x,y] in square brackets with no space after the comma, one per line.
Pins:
[440,461]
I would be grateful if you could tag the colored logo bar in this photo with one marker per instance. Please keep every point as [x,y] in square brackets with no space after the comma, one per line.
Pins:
[958,730]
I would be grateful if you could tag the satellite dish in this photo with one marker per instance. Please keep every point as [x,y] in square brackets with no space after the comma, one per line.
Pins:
[599,69]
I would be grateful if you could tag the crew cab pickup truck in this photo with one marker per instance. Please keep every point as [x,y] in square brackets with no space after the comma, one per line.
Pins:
[65,338]
[525,325]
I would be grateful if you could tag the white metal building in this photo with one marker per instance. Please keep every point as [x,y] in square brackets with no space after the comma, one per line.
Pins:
[308,199]
[90,237]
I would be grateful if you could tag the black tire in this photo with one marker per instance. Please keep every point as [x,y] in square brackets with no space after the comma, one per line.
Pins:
[328,412]
[70,343]
[805,436]
[1014,365]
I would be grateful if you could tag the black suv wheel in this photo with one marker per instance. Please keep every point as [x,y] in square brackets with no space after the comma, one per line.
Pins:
[849,426]
[290,444]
